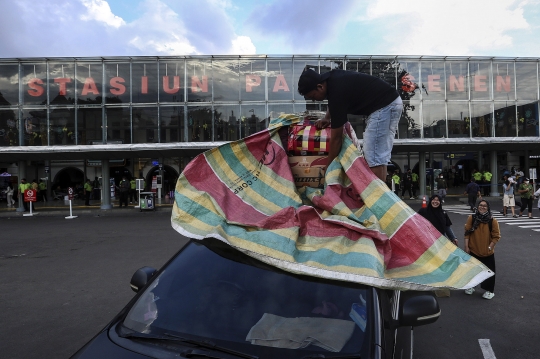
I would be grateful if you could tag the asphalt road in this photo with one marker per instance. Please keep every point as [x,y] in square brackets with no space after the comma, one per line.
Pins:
[63,280]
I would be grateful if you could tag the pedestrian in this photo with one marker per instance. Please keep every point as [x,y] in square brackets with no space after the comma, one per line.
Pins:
[487,181]
[23,186]
[536,195]
[356,93]
[43,190]
[9,195]
[526,191]
[481,235]
[407,184]
[133,190]
[87,192]
[415,185]
[124,187]
[477,176]
[397,181]
[435,214]
[508,196]
[96,192]
[473,192]
[442,187]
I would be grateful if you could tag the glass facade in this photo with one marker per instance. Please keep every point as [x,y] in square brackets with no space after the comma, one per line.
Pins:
[66,101]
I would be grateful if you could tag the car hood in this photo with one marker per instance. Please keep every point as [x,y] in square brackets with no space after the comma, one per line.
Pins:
[102,347]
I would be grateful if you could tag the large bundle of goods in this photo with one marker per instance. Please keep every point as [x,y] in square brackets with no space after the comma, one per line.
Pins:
[307,147]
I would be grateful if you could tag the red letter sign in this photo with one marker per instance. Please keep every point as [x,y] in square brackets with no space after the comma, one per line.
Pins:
[252,81]
[502,82]
[454,82]
[61,81]
[117,86]
[176,84]
[198,86]
[89,86]
[433,83]
[144,84]
[280,84]
[35,89]
[480,83]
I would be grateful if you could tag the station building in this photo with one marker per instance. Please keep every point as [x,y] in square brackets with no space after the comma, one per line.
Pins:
[67,119]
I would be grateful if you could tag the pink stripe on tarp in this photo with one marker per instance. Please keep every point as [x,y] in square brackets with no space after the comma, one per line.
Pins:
[361,173]
[412,240]
[313,225]
[201,176]
[272,155]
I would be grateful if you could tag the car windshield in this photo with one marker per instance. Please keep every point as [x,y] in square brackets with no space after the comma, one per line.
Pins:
[213,292]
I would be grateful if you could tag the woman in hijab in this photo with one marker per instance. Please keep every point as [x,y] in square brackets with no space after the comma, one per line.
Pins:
[438,218]
[481,235]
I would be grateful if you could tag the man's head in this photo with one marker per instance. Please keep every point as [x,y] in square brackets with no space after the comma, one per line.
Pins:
[312,85]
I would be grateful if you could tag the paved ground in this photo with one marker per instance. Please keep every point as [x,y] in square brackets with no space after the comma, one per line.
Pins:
[63,280]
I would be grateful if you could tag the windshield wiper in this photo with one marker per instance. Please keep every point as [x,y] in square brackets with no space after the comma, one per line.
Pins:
[200,343]
[321,356]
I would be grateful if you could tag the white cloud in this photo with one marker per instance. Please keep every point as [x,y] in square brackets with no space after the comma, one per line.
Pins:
[159,31]
[300,26]
[99,10]
[458,27]
[242,45]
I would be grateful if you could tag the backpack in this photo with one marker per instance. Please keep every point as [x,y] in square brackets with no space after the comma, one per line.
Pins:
[490,223]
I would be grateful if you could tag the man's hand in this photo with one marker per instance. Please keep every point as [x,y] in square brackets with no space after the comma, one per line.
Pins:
[322,123]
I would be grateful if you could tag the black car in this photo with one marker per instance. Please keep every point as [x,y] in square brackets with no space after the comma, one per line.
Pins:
[212,301]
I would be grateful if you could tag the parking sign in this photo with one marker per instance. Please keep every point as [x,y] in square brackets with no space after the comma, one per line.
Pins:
[30,195]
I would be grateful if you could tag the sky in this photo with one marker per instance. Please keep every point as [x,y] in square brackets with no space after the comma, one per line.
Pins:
[88,28]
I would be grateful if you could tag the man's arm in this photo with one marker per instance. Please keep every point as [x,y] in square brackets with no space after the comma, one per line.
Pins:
[336,140]
[325,121]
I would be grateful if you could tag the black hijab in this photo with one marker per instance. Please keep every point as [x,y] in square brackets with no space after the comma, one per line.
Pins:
[480,218]
[435,216]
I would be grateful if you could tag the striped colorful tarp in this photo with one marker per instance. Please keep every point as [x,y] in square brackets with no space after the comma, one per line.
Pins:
[355,230]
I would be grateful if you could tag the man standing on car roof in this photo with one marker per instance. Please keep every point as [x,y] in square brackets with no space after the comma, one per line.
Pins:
[356,93]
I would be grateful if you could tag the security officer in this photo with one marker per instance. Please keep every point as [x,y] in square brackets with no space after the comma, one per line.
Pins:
[42,186]
[23,187]
[415,184]
[487,182]
[132,190]
[397,181]
[87,192]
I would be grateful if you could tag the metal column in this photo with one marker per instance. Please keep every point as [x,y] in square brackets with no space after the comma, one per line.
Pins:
[22,174]
[422,173]
[495,172]
[105,185]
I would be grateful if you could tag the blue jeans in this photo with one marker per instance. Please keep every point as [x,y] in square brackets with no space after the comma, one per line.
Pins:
[381,127]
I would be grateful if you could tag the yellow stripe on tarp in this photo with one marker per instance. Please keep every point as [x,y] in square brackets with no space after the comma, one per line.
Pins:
[345,269]
[266,176]
[202,198]
[339,245]
[430,261]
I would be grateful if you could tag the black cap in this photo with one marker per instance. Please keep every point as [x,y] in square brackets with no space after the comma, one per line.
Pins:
[308,81]
[525,179]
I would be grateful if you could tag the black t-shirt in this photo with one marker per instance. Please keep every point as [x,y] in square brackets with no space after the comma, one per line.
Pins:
[355,93]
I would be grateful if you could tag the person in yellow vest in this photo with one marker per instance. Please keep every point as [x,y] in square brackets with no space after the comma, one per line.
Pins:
[87,192]
[43,190]
[23,187]
[132,190]
[477,175]
[397,181]
[415,183]
[487,182]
